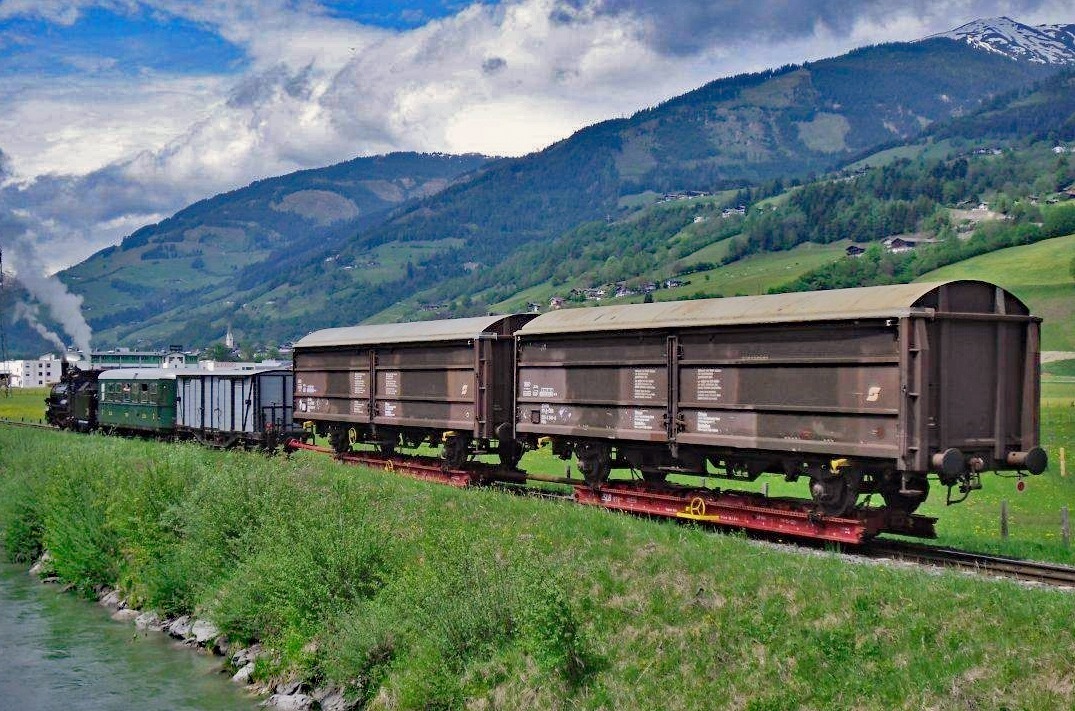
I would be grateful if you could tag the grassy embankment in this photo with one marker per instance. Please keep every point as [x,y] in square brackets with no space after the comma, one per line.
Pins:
[422,596]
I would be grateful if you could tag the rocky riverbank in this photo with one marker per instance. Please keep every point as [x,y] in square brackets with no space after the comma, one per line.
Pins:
[201,635]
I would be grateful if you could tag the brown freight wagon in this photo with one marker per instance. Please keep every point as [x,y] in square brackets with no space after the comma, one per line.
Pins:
[446,382]
[860,390]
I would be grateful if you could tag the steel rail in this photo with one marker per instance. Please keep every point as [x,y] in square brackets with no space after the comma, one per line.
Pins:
[22,423]
[1036,571]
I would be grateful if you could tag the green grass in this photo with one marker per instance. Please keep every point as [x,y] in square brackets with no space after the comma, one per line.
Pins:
[421,596]
[1059,368]
[928,151]
[757,273]
[1038,274]
[23,404]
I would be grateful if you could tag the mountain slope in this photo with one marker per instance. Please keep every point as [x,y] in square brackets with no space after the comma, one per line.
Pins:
[1037,273]
[1043,111]
[222,241]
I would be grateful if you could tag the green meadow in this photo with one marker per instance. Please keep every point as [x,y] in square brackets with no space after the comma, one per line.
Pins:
[420,596]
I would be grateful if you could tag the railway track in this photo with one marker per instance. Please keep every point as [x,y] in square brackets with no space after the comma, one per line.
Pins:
[22,423]
[986,564]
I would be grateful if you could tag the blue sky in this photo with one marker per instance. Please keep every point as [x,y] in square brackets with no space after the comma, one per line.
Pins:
[143,39]
[127,43]
[117,113]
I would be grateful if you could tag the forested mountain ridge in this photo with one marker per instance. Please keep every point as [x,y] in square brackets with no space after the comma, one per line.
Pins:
[232,238]
[785,124]
[928,191]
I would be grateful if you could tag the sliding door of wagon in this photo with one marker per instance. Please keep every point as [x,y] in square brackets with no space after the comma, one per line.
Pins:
[825,388]
[594,386]
[333,386]
[429,385]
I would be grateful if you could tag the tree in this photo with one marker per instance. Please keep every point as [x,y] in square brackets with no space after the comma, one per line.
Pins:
[219,352]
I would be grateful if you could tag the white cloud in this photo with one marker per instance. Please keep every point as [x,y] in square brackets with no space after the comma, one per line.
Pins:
[498,79]
[78,124]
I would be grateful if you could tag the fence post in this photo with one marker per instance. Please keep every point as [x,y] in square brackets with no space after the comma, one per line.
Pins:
[1063,464]
[1004,519]
[1065,527]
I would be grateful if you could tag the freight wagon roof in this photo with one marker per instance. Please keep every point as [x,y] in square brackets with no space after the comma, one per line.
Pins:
[832,305]
[231,372]
[452,329]
[139,374]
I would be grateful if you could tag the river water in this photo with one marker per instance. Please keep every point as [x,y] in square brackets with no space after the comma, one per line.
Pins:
[62,653]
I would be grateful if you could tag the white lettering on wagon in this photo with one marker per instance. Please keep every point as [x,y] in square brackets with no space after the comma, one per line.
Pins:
[645,384]
[708,423]
[710,385]
[644,420]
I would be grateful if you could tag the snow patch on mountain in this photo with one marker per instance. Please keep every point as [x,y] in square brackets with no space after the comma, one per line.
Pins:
[1043,44]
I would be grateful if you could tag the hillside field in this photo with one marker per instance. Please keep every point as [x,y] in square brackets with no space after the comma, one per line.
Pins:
[749,276]
[1039,274]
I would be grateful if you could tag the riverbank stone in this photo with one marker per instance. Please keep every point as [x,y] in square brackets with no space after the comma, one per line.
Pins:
[126,615]
[43,566]
[292,702]
[246,656]
[111,599]
[149,621]
[180,627]
[331,699]
[203,631]
[244,675]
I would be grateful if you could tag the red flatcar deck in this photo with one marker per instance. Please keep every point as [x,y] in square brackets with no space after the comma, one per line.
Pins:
[731,509]
[755,512]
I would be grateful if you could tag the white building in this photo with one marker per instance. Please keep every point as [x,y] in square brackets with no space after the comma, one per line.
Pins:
[33,373]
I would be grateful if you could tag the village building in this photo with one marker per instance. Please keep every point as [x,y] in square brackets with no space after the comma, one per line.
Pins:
[32,373]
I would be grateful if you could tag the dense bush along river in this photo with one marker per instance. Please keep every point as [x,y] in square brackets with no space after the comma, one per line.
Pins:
[61,653]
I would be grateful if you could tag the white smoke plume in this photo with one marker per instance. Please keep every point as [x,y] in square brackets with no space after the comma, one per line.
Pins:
[30,314]
[17,242]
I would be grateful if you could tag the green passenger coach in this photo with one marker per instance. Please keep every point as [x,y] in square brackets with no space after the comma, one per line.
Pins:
[137,399]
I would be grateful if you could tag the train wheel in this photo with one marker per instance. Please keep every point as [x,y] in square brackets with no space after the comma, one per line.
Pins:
[455,451]
[339,441]
[510,452]
[906,498]
[595,462]
[835,495]
[388,443]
